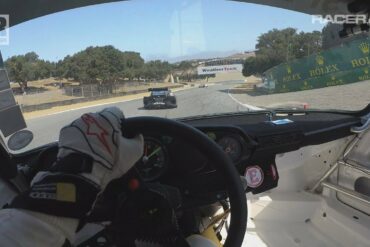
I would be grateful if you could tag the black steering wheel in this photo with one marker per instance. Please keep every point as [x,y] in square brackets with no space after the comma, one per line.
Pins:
[214,153]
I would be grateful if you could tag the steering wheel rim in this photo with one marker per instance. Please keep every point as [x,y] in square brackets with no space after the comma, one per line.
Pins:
[238,205]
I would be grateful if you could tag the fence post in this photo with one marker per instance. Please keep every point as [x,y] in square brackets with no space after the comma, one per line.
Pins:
[82,91]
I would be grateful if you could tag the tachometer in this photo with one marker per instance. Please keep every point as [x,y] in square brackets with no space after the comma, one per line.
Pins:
[154,161]
[231,147]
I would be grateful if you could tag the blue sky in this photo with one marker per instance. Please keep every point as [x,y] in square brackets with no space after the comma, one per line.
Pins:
[156,28]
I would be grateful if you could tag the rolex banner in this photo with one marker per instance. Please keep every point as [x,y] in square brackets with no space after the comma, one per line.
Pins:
[341,65]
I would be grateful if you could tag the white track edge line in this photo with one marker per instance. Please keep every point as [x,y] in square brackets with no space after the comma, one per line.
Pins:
[250,107]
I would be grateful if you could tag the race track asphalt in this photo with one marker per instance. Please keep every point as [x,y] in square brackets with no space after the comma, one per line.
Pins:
[191,102]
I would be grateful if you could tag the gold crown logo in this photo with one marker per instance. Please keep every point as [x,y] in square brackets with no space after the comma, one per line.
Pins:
[366,70]
[289,69]
[365,48]
[333,78]
[319,60]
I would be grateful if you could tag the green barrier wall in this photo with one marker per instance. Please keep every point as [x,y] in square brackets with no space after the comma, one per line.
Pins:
[341,65]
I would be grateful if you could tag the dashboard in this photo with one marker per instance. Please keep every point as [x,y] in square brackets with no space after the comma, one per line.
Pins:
[175,162]
[250,140]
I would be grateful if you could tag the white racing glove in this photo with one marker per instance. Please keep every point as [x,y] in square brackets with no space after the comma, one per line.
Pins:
[92,152]
[99,136]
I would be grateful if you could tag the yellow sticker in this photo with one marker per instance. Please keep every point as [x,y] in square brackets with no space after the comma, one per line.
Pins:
[66,192]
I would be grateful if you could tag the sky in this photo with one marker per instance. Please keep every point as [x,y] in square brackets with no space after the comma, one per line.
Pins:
[158,29]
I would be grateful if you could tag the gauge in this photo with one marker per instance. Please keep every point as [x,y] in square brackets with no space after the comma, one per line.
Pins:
[231,147]
[154,161]
[211,135]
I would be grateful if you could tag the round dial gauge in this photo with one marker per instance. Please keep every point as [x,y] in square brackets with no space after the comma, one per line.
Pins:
[231,147]
[154,161]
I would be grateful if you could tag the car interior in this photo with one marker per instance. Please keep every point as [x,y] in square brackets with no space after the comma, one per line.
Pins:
[308,170]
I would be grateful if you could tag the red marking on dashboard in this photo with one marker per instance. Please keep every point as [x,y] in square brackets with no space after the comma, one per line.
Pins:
[273,171]
[133,184]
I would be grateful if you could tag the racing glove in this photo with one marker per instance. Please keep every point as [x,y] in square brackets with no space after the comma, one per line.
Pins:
[92,152]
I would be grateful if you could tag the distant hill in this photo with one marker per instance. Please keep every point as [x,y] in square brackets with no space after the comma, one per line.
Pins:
[215,56]
[242,55]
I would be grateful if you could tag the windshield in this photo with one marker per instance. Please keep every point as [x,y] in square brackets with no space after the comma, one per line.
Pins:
[159,93]
[215,56]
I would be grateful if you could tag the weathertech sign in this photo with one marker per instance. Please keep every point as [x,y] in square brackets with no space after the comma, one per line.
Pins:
[209,70]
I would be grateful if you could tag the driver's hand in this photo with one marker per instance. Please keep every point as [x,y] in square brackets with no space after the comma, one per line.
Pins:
[99,136]
[92,152]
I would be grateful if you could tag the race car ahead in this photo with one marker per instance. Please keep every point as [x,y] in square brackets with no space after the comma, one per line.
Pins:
[160,98]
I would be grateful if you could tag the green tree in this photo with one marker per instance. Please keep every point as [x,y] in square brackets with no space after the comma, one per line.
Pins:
[249,67]
[133,64]
[98,65]
[104,64]
[279,46]
[157,70]
[330,35]
[331,38]
[187,69]
[28,67]
[22,68]
[307,43]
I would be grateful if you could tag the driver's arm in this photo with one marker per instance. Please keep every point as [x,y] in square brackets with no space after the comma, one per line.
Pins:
[92,152]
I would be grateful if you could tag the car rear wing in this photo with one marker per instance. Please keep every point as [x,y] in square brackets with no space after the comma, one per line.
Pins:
[158,89]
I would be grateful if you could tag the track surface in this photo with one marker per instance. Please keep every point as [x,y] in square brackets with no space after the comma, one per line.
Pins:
[191,102]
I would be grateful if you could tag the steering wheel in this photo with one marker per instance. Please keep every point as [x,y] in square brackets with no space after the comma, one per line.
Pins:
[214,153]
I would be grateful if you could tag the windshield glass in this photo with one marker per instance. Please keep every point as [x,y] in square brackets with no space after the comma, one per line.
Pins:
[159,93]
[215,56]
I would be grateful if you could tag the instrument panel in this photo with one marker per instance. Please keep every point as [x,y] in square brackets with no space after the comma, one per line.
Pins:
[165,156]
[155,159]
[164,153]
[232,146]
